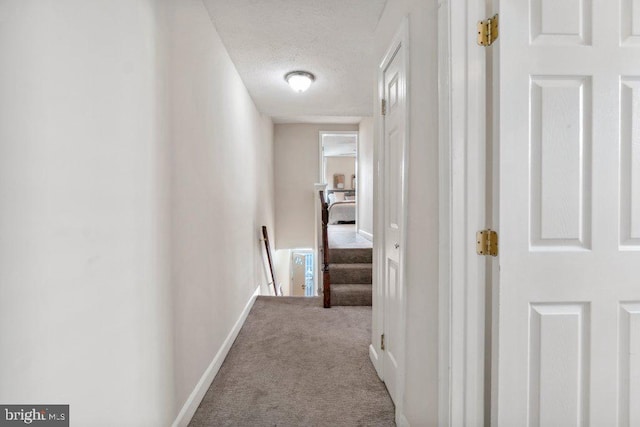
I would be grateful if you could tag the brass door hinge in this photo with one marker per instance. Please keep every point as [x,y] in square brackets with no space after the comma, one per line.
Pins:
[487,243]
[382,342]
[488,31]
[384,107]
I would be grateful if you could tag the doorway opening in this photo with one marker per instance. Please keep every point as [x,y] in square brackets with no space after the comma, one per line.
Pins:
[338,170]
[302,273]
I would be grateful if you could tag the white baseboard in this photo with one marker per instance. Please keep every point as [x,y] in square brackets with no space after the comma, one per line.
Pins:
[366,235]
[401,421]
[375,360]
[191,405]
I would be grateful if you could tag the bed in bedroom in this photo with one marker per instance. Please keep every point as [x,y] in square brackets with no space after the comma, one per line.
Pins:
[342,206]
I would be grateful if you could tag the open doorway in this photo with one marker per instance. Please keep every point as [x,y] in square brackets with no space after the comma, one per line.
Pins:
[302,273]
[347,256]
[338,170]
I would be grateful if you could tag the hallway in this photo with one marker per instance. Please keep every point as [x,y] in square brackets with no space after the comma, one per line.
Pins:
[143,145]
[283,370]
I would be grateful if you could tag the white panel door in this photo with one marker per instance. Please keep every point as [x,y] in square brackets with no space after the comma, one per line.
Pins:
[393,163]
[568,324]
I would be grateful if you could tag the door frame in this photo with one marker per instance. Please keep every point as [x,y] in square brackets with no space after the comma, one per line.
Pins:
[399,41]
[322,134]
[291,263]
[321,185]
[321,177]
[463,393]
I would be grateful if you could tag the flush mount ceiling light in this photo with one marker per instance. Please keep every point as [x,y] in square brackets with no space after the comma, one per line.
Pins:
[299,80]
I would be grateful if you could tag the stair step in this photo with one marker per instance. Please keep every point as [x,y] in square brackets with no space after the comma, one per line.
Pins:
[350,255]
[350,273]
[351,294]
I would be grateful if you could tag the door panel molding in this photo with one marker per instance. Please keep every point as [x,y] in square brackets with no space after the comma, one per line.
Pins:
[568,277]
[399,43]
[629,163]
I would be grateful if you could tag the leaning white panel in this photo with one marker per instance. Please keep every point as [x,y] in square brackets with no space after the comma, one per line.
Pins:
[560,163]
[630,22]
[560,22]
[629,365]
[559,364]
[630,163]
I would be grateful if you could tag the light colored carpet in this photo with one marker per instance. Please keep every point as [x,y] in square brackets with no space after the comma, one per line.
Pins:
[295,363]
[350,268]
[346,236]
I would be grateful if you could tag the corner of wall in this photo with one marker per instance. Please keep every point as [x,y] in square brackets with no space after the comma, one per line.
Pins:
[191,405]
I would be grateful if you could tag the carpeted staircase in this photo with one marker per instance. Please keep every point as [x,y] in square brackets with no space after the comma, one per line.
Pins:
[350,271]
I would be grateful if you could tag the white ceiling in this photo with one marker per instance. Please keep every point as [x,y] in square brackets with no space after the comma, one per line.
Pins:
[337,145]
[333,39]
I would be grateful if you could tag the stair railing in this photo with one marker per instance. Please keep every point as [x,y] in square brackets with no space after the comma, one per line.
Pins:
[267,244]
[326,279]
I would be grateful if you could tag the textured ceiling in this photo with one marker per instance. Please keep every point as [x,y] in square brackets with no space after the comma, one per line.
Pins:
[331,38]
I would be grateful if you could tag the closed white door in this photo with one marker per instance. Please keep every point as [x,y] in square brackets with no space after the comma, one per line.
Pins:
[393,163]
[569,205]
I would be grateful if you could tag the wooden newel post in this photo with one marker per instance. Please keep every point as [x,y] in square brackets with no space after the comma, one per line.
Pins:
[326,278]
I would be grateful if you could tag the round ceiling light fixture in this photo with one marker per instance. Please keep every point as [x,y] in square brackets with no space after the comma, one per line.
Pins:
[299,81]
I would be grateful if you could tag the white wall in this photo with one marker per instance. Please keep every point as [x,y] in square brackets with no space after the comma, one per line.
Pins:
[135,173]
[339,165]
[297,164]
[222,192]
[420,404]
[282,261]
[84,279]
[365,177]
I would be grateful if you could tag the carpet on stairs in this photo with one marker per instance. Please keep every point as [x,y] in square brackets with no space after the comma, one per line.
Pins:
[351,282]
[350,267]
